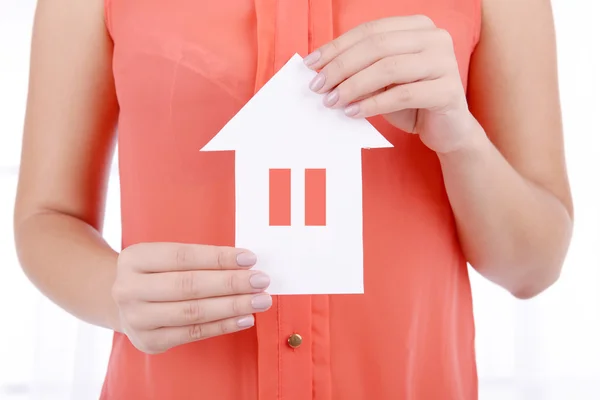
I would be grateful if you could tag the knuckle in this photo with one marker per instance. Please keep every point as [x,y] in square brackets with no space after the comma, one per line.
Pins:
[120,293]
[338,63]
[347,90]
[165,340]
[430,65]
[379,40]
[391,66]
[188,284]
[196,332]
[373,104]
[181,257]
[454,96]
[369,106]
[334,47]
[424,20]
[116,292]
[193,312]
[224,327]
[369,28]
[404,94]
[151,350]
[158,347]
[150,345]
[444,37]
[133,319]
[232,283]
[126,257]
[237,306]
[221,258]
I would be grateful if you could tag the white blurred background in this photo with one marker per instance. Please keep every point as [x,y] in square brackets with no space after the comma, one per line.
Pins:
[547,348]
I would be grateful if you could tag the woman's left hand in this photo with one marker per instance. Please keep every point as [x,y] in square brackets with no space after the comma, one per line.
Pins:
[403,68]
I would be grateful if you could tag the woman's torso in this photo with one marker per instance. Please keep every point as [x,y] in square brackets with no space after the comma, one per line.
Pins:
[182,69]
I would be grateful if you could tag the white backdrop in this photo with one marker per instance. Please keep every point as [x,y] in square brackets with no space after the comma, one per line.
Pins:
[544,349]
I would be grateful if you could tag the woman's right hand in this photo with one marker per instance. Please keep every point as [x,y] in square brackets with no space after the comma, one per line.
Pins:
[170,293]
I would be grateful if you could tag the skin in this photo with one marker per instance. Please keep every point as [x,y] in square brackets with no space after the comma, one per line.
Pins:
[505,175]
[502,161]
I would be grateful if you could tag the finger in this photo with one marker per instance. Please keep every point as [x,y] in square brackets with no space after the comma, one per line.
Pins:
[187,285]
[367,52]
[424,94]
[163,257]
[165,338]
[192,312]
[370,94]
[323,55]
[387,72]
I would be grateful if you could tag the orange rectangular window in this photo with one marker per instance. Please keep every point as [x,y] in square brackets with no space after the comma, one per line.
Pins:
[280,201]
[315,197]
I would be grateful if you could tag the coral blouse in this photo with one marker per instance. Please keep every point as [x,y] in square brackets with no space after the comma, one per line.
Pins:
[182,69]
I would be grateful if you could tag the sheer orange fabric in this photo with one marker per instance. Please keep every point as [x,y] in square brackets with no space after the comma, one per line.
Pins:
[182,69]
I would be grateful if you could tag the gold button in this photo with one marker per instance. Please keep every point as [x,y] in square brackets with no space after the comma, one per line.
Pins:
[295,341]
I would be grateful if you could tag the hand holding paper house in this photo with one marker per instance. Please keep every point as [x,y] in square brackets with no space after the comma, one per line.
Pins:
[298,184]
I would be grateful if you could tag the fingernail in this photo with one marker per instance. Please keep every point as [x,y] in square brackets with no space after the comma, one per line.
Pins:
[352,110]
[331,98]
[261,302]
[312,58]
[246,259]
[245,322]
[318,82]
[259,281]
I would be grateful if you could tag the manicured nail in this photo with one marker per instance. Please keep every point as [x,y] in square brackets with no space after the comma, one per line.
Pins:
[312,58]
[331,98]
[259,281]
[317,83]
[245,322]
[246,259]
[352,110]
[262,302]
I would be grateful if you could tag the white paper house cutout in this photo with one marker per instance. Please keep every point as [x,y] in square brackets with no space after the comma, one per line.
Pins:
[286,126]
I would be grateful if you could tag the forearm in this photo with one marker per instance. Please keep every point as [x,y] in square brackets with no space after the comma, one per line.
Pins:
[71,264]
[512,231]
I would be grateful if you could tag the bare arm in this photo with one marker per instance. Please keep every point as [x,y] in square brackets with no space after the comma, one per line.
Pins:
[510,193]
[502,156]
[67,147]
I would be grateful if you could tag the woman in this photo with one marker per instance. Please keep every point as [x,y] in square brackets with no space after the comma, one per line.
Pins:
[480,181]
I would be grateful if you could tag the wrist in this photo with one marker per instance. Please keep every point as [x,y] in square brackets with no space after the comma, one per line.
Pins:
[474,143]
